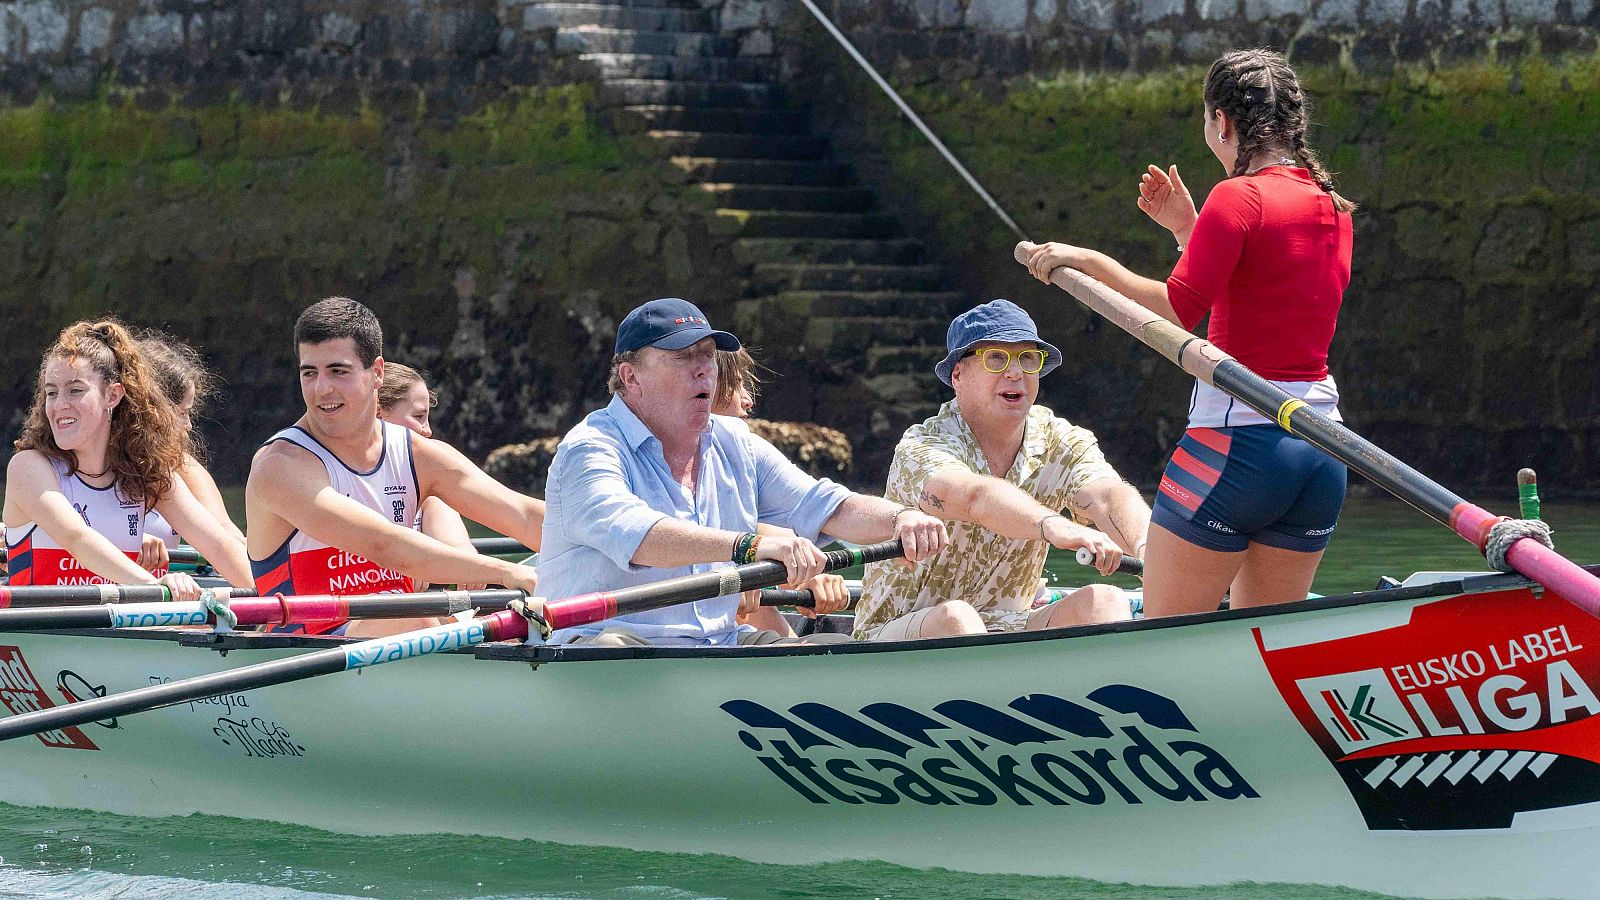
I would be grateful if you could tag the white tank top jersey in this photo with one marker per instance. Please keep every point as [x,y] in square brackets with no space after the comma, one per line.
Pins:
[305,565]
[34,557]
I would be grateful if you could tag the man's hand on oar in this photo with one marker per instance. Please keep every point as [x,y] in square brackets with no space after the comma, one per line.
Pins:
[511,624]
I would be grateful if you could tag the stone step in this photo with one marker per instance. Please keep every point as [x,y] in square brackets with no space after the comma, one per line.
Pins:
[844,335]
[769,278]
[654,91]
[772,223]
[594,39]
[903,360]
[906,387]
[864,304]
[832,251]
[711,118]
[730,145]
[762,171]
[790,197]
[686,68]
[543,16]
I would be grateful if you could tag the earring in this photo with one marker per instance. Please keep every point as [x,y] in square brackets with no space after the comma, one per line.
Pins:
[1222,139]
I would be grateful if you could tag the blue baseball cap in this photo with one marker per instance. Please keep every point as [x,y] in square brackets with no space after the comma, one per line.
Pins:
[671,324]
[997,320]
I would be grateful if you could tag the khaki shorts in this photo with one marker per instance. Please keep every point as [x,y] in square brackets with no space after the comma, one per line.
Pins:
[622,637]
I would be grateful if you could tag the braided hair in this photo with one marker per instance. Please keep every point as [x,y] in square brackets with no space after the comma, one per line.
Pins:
[147,444]
[1270,112]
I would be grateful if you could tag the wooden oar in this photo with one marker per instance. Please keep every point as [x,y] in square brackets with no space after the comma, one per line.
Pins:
[500,626]
[1207,362]
[71,594]
[493,546]
[278,610]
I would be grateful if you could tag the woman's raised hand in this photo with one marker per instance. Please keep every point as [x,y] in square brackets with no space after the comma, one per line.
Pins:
[1164,198]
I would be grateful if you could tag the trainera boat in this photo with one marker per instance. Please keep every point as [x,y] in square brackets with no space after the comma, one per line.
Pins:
[1436,740]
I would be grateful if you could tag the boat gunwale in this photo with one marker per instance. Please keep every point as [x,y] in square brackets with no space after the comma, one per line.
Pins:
[541,654]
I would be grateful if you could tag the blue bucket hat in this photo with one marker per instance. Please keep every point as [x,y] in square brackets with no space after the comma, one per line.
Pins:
[997,320]
[671,324]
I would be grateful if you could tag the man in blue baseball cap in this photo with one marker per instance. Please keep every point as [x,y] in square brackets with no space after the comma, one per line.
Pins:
[1000,470]
[654,486]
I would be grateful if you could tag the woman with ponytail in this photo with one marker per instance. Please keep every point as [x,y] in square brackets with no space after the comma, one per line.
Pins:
[1244,506]
[102,446]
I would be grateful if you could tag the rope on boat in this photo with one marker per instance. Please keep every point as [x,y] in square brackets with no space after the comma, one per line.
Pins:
[1507,532]
[535,620]
[226,618]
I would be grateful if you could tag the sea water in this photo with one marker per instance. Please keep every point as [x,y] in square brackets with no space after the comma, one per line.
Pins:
[70,853]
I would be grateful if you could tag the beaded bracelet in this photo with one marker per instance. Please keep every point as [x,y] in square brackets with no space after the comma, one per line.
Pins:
[750,554]
[742,547]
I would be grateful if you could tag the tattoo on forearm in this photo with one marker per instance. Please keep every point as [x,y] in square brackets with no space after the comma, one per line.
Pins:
[929,499]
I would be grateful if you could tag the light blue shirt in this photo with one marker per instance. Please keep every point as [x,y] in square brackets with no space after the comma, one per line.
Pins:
[609,485]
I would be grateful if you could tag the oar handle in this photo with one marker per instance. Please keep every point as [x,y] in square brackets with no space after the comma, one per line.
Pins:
[1130,565]
[28,596]
[507,625]
[782,597]
[1528,493]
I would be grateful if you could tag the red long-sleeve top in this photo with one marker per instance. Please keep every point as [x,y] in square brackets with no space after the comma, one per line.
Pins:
[1269,259]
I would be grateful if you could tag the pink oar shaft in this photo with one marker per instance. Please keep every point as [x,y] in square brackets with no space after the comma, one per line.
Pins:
[1531,558]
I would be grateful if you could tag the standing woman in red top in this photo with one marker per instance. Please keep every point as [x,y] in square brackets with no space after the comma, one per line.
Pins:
[101,447]
[1243,505]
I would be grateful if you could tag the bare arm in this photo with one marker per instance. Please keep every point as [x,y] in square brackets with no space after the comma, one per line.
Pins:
[200,528]
[864,519]
[447,474]
[1007,510]
[204,488]
[291,484]
[34,495]
[1116,508]
[1149,293]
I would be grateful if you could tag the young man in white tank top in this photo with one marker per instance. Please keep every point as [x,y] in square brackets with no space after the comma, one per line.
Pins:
[331,502]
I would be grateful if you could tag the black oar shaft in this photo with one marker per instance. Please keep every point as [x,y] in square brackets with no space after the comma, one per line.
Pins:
[24,596]
[1130,565]
[783,597]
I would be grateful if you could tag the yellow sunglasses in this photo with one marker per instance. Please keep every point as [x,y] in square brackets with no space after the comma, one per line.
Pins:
[996,360]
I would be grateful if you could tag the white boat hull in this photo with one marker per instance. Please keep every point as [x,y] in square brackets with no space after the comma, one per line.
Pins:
[1175,754]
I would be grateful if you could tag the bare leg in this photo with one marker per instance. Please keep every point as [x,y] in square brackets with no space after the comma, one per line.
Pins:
[1181,578]
[1273,575]
[768,618]
[1084,606]
[952,618]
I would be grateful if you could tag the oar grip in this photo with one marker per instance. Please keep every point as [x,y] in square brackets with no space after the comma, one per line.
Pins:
[781,597]
[1130,565]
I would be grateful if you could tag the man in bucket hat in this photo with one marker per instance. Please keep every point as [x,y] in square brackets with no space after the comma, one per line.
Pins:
[999,470]
[655,486]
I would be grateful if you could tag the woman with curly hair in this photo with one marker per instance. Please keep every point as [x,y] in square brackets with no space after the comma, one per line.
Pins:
[188,385]
[102,446]
[1244,505]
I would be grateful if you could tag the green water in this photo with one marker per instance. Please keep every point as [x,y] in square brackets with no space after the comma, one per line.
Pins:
[63,853]
[70,854]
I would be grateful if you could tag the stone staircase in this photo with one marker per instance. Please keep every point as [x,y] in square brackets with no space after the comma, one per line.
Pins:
[833,288]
